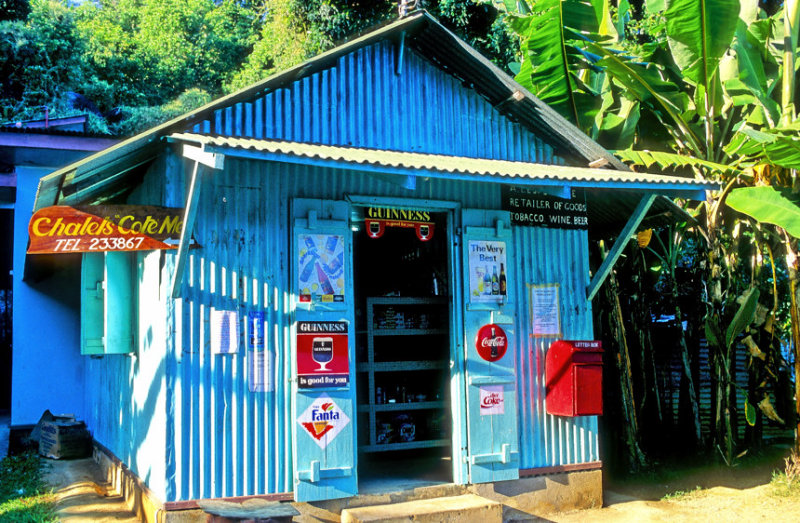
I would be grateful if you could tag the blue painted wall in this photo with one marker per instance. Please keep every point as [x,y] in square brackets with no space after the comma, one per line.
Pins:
[126,395]
[196,430]
[47,368]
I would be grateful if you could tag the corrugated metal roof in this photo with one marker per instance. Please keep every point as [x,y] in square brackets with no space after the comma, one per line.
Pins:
[419,31]
[432,164]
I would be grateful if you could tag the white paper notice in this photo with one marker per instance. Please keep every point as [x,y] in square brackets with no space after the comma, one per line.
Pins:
[224,332]
[259,370]
[545,310]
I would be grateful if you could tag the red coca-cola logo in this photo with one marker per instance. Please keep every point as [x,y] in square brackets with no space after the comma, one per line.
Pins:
[491,342]
[491,400]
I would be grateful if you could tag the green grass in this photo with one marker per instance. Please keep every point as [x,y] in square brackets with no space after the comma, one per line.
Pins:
[24,497]
[784,487]
[681,494]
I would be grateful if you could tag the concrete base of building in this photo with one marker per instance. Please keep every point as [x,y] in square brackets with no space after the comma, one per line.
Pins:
[120,480]
[555,490]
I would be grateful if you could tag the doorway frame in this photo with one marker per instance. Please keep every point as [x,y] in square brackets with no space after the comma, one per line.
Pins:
[458,400]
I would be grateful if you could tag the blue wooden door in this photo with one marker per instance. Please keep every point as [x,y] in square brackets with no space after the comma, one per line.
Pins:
[489,330]
[323,359]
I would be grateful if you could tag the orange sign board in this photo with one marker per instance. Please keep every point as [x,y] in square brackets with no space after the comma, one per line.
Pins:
[98,228]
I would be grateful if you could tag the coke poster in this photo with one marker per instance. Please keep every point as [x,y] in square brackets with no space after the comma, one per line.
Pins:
[492,400]
[322,354]
[491,342]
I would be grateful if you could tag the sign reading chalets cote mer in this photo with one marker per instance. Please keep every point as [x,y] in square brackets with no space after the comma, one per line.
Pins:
[535,209]
[98,228]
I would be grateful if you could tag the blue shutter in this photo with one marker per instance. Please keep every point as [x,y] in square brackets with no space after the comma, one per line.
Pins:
[92,303]
[324,468]
[118,315]
[492,441]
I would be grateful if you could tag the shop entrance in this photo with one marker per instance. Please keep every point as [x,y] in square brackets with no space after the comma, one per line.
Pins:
[402,291]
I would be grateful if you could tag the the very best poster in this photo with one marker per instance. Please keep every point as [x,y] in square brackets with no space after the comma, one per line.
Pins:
[487,271]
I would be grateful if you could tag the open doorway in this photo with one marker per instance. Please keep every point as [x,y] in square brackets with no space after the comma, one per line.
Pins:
[402,291]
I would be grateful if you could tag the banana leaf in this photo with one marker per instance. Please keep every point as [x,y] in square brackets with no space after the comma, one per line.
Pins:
[767,205]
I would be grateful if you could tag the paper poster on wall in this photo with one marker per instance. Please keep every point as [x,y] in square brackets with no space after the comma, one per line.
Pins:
[321,269]
[487,271]
[322,354]
[259,370]
[224,336]
[323,420]
[492,400]
[545,317]
[260,361]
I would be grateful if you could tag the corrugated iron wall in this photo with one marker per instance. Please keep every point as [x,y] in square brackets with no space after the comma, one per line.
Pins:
[546,257]
[362,102]
[126,395]
[228,441]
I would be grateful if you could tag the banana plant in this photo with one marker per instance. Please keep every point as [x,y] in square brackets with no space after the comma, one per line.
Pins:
[711,85]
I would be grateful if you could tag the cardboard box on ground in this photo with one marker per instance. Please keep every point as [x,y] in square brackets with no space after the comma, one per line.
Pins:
[62,436]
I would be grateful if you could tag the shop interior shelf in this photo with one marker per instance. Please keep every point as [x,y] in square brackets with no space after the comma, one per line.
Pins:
[394,366]
[433,312]
[387,407]
[407,332]
[406,445]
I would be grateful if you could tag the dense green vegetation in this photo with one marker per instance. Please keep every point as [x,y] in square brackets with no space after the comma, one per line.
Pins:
[23,495]
[705,88]
[136,63]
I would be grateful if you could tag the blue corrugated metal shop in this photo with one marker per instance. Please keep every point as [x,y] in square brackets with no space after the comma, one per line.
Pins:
[379,247]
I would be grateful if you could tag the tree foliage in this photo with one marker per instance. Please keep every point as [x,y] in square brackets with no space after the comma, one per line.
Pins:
[131,62]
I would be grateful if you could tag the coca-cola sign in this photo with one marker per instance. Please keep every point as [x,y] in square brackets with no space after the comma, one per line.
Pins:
[491,342]
[492,400]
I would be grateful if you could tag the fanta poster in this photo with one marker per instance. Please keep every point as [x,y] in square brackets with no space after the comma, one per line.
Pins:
[487,271]
[323,420]
[321,268]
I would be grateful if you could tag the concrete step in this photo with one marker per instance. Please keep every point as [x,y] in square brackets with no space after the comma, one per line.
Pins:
[455,509]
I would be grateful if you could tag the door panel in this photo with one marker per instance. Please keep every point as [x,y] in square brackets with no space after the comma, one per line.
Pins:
[489,328]
[323,359]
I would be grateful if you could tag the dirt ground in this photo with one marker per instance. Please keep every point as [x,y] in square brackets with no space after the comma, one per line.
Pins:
[708,494]
[670,494]
[80,493]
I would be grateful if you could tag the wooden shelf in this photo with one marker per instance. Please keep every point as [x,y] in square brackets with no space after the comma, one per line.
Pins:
[394,366]
[406,332]
[422,444]
[389,407]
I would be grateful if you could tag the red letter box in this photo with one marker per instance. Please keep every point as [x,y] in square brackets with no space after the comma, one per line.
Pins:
[574,378]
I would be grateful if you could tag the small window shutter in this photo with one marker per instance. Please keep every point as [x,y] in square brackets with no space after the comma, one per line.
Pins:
[92,302]
[118,315]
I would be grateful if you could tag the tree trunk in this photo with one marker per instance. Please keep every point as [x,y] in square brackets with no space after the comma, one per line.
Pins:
[687,369]
[636,457]
[794,278]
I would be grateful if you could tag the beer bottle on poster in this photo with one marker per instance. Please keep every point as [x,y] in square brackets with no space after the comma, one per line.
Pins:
[487,281]
[495,282]
[502,280]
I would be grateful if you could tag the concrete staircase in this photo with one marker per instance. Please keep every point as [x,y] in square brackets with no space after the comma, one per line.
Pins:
[456,509]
